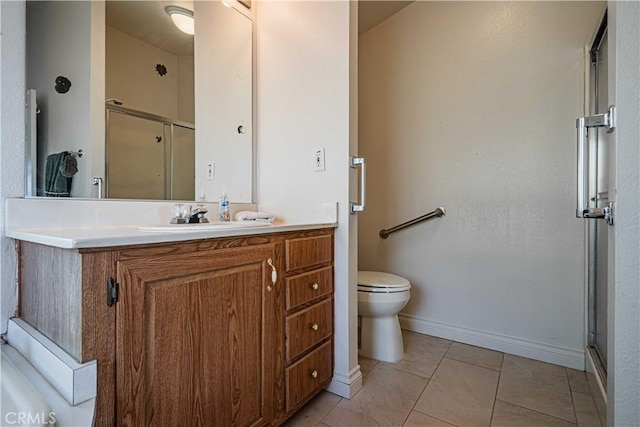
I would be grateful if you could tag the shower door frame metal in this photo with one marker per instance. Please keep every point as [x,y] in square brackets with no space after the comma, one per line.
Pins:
[596,198]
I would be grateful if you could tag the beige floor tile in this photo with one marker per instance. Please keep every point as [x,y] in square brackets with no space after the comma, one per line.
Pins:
[366,364]
[475,355]
[536,385]
[601,406]
[460,393]
[416,419]
[578,381]
[422,354]
[314,411]
[597,397]
[386,399]
[586,411]
[508,415]
[322,425]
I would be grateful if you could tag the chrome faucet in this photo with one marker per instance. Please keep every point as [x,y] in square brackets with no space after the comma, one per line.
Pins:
[194,215]
[197,215]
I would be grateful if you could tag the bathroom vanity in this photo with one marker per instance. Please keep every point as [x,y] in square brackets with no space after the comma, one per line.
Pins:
[230,330]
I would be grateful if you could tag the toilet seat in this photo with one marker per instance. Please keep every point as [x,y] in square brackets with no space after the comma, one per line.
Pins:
[380,282]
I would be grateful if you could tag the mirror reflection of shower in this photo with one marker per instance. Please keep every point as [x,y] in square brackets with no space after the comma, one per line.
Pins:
[148,156]
[150,139]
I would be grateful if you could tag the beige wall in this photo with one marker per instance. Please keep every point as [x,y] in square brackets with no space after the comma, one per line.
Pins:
[132,78]
[472,106]
[186,89]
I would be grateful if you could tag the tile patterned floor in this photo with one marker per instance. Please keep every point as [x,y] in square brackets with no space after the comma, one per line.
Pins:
[441,383]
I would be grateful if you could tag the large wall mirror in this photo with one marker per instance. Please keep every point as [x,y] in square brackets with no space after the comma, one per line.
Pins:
[123,104]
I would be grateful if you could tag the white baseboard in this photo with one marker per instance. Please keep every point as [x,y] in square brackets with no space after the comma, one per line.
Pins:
[76,382]
[346,385]
[563,356]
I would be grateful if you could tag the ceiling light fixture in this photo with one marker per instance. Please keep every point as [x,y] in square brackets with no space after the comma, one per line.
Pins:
[182,18]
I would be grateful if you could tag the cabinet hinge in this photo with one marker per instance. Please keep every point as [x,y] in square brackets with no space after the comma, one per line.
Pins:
[112,291]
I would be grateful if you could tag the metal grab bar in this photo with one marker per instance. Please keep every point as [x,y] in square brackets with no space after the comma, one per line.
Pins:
[355,208]
[435,214]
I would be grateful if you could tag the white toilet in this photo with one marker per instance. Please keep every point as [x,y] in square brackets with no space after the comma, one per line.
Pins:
[381,296]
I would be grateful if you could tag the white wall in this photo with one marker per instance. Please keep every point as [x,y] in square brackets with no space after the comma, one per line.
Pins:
[223,102]
[12,137]
[59,40]
[303,104]
[623,390]
[472,106]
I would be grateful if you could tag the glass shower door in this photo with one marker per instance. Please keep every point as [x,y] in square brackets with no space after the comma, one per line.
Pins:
[135,158]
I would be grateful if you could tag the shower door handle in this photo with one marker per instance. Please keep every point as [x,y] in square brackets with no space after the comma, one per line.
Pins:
[606,120]
[359,207]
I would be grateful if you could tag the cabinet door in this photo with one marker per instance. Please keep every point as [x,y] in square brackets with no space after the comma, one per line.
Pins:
[194,342]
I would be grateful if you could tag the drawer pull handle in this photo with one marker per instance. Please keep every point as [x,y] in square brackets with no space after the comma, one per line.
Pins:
[314,374]
[315,286]
[274,275]
[315,326]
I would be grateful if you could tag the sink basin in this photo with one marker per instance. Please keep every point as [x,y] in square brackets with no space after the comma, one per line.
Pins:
[211,226]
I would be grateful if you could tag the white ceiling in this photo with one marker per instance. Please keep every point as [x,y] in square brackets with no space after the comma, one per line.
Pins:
[373,12]
[147,21]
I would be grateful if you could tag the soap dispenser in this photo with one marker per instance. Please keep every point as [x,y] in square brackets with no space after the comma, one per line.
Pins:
[224,213]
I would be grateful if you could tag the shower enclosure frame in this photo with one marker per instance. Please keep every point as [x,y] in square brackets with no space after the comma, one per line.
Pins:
[597,230]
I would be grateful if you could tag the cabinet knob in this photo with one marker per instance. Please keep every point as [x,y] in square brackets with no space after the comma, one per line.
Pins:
[315,286]
[315,326]
[314,374]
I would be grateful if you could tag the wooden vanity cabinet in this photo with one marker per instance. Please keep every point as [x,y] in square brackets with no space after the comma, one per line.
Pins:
[200,334]
[308,317]
[195,338]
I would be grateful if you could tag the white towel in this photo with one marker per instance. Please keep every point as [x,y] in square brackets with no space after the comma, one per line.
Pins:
[254,216]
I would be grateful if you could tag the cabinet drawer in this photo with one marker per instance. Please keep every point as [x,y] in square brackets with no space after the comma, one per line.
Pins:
[308,327]
[308,286]
[307,374]
[308,251]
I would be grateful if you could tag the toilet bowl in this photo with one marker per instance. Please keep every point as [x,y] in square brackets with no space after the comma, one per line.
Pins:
[381,296]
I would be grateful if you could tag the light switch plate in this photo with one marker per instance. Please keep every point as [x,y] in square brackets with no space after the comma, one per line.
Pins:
[211,171]
[318,160]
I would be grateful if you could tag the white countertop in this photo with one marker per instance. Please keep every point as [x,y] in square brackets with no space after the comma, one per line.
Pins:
[84,224]
[100,237]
